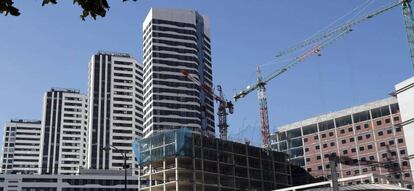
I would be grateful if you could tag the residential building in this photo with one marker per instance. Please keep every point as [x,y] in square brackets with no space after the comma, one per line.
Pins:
[182,159]
[374,138]
[64,132]
[177,40]
[21,147]
[103,180]
[115,108]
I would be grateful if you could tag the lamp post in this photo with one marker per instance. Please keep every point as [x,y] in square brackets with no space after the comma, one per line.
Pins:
[124,156]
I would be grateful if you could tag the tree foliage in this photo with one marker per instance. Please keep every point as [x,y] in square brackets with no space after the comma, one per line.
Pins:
[91,8]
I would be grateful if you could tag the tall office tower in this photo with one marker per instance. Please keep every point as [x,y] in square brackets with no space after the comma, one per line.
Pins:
[64,132]
[176,40]
[21,144]
[115,108]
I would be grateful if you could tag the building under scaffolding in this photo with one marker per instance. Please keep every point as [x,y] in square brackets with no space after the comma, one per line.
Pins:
[180,159]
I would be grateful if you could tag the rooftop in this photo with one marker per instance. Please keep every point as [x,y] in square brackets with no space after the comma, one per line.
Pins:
[341,113]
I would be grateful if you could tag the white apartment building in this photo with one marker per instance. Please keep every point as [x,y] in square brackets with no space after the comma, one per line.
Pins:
[64,132]
[115,108]
[176,40]
[21,147]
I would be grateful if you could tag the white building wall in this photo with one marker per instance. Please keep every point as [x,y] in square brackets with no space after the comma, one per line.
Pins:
[405,96]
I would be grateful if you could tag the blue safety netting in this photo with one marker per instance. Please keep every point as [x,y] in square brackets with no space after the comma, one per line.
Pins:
[163,144]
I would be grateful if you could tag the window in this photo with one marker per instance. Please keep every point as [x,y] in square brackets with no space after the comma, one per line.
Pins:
[382,144]
[309,169]
[343,141]
[366,125]
[348,172]
[363,159]
[402,152]
[393,153]
[345,152]
[369,146]
[398,129]
[353,150]
[324,135]
[356,171]
[306,149]
[400,140]
[327,166]
[380,133]
[365,170]
[351,139]
[396,118]
[391,142]
[388,120]
[342,131]
[326,156]
[325,145]
[358,127]
[319,167]
[384,155]
[307,159]
[350,129]
[359,138]
[318,157]
[371,158]
[405,163]
[331,134]
[361,148]
[389,131]
[379,122]
[317,147]
[368,136]
[305,140]
[332,144]
[373,168]
[407,174]
[315,137]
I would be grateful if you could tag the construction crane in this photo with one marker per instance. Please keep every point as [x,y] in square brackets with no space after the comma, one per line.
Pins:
[224,105]
[317,43]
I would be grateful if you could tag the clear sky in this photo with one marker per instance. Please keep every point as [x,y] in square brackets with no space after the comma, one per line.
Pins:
[50,47]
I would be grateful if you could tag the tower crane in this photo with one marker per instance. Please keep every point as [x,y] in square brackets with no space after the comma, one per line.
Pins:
[224,105]
[316,44]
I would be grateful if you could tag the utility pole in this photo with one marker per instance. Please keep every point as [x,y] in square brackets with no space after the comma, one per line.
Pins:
[125,165]
[333,159]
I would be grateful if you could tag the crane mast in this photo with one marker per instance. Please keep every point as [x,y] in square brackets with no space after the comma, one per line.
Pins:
[223,104]
[264,116]
[409,27]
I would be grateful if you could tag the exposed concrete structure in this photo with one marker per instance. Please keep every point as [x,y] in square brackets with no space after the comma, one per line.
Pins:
[181,159]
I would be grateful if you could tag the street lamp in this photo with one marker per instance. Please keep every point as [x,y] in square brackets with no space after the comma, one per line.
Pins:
[124,156]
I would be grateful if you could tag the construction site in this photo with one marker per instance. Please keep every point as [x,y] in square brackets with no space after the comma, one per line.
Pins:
[182,159]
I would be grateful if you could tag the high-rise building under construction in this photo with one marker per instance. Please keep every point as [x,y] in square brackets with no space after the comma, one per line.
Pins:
[176,40]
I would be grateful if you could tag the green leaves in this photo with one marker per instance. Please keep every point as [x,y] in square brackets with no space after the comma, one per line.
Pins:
[91,8]
[6,7]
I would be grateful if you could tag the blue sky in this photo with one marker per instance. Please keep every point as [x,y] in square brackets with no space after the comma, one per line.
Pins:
[50,47]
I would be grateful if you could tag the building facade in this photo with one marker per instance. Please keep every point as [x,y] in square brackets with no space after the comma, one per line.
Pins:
[100,180]
[176,40]
[64,132]
[115,108]
[181,159]
[370,135]
[405,93]
[21,147]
